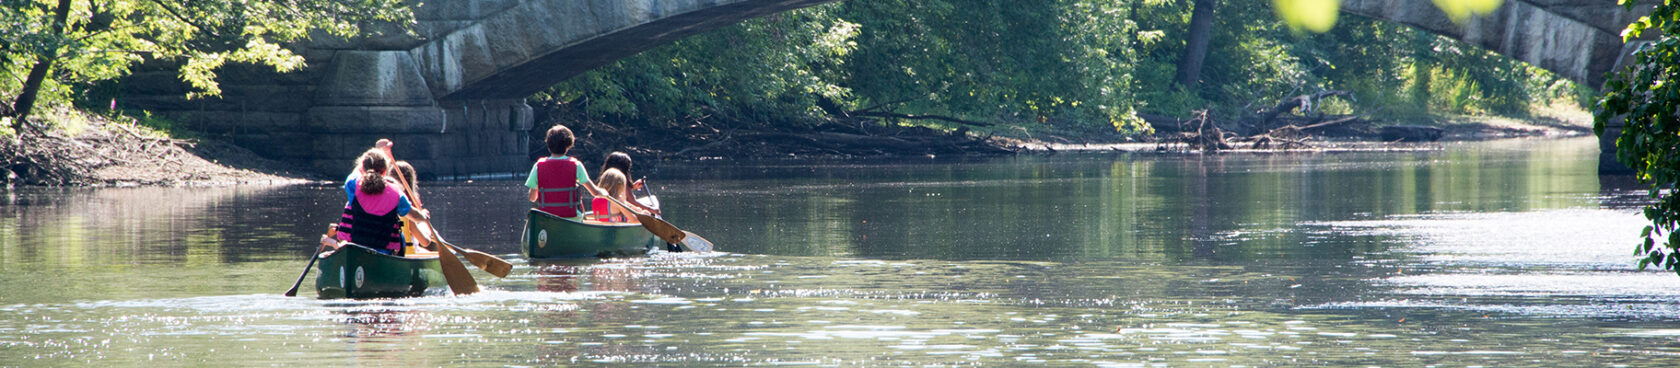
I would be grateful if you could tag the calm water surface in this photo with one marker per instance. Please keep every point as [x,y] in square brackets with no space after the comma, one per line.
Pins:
[1511,253]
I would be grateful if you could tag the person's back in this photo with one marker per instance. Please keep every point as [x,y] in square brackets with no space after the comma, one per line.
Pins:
[372,213]
[554,180]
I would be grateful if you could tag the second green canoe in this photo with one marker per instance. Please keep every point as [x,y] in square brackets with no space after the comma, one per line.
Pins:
[552,237]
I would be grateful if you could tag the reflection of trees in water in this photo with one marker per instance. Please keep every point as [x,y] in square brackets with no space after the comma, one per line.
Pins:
[1622,192]
[594,316]
[613,275]
[150,225]
[380,323]
[381,333]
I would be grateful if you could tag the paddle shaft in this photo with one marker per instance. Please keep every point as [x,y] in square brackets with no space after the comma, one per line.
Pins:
[664,230]
[294,290]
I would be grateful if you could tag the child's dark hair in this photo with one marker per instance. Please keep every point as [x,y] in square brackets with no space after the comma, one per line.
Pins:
[411,176]
[559,139]
[373,164]
[617,160]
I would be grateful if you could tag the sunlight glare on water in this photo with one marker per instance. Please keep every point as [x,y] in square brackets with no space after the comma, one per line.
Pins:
[1488,254]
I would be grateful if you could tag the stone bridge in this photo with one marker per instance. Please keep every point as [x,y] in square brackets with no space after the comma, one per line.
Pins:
[452,95]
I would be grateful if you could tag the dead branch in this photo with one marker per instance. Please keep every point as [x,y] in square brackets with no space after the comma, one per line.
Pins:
[919,117]
[1305,103]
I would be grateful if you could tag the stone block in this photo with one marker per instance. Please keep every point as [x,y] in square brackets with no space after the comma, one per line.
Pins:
[436,29]
[472,53]
[252,74]
[160,82]
[496,118]
[332,168]
[461,9]
[611,14]
[374,119]
[269,98]
[506,41]
[410,147]
[388,36]
[426,169]
[373,78]
[277,146]
[541,30]
[581,24]
[339,147]
[521,118]
[158,103]
[254,122]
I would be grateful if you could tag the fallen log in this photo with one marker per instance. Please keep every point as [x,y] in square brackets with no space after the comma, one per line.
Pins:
[1411,133]
[891,115]
[1304,103]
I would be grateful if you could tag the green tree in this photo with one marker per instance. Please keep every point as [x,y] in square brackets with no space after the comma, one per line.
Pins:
[1647,96]
[48,48]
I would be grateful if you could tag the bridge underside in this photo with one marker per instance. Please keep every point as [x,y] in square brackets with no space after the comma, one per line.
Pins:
[452,95]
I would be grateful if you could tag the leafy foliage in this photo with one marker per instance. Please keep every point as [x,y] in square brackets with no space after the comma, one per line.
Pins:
[104,38]
[1647,95]
[1059,63]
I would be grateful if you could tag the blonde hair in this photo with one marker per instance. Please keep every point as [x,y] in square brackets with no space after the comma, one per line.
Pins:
[614,182]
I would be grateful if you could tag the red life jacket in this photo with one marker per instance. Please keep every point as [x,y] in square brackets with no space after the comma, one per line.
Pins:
[557,187]
[370,230]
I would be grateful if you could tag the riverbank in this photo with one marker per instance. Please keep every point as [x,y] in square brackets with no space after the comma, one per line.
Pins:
[66,147]
[82,149]
[699,141]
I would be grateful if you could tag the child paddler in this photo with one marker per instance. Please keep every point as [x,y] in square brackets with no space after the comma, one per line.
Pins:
[557,181]
[376,204]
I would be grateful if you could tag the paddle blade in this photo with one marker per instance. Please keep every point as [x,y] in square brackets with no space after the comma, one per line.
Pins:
[489,263]
[695,243]
[664,230]
[499,269]
[460,280]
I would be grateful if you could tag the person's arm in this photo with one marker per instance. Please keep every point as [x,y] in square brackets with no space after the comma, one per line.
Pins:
[594,190]
[419,219]
[639,206]
[531,182]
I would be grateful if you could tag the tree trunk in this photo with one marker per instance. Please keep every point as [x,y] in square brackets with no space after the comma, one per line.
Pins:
[1423,65]
[1195,49]
[38,74]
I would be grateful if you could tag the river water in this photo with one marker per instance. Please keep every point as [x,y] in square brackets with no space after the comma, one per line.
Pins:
[1507,253]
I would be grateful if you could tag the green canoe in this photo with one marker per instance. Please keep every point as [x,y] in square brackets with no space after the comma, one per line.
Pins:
[357,272]
[552,237]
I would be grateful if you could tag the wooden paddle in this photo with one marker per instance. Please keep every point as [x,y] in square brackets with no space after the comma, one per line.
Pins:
[484,261]
[489,263]
[460,280]
[312,258]
[664,230]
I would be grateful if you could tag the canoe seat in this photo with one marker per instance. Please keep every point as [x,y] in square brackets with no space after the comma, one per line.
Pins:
[418,252]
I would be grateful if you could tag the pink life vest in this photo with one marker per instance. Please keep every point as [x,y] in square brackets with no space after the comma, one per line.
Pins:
[371,220]
[557,187]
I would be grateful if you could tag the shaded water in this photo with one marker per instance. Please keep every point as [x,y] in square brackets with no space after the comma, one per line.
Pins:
[1506,253]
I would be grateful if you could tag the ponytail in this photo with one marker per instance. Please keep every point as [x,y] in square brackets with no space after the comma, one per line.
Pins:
[373,164]
[372,182]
